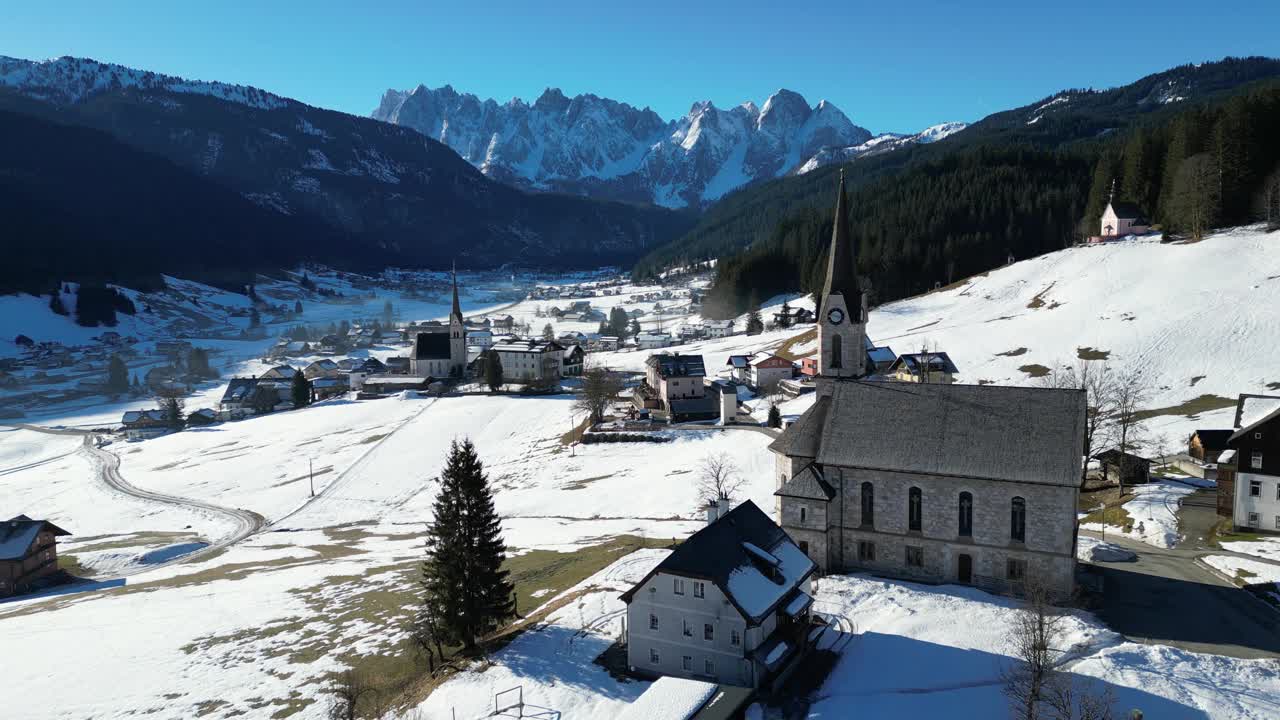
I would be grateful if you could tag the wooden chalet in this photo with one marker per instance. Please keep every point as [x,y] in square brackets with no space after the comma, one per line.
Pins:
[28,553]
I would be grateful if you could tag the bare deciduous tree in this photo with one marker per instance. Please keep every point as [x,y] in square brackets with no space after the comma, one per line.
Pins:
[349,688]
[718,478]
[1095,378]
[600,387]
[1070,698]
[1129,395]
[1036,629]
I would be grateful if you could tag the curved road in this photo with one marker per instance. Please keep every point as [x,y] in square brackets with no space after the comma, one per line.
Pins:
[107,466]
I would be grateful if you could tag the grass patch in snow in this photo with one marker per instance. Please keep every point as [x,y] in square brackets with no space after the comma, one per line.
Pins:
[582,483]
[1113,515]
[1013,353]
[575,435]
[1035,370]
[786,351]
[372,439]
[1197,379]
[1089,353]
[1037,302]
[1189,408]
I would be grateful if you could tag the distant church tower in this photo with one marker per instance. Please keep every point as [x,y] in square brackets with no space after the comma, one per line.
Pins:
[457,334]
[842,313]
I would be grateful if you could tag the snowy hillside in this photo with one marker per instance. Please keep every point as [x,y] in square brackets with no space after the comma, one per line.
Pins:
[597,146]
[1198,316]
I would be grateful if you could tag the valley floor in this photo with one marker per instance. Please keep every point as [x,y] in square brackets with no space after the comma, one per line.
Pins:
[255,629]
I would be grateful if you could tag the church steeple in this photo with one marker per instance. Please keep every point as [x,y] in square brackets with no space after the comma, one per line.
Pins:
[842,313]
[457,308]
[841,276]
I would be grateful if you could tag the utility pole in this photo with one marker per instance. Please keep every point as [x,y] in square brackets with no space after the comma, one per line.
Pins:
[311,474]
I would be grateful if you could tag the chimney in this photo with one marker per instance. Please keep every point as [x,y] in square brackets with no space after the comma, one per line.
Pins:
[723,507]
[713,511]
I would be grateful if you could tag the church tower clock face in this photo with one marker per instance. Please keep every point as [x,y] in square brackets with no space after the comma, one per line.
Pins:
[836,316]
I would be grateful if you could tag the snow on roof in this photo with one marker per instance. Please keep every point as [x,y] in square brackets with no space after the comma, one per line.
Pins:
[1227,456]
[670,698]
[798,604]
[1254,409]
[757,592]
[776,653]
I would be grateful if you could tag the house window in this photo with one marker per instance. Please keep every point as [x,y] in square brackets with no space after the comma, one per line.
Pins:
[868,504]
[866,551]
[653,621]
[1254,520]
[915,556]
[686,663]
[1018,520]
[699,589]
[1015,570]
[677,586]
[1255,488]
[1278,522]
[836,351]
[708,667]
[915,509]
[653,656]
[966,514]
[1256,460]
[708,631]
[734,638]
[804,513]
[804,546]
[688,629]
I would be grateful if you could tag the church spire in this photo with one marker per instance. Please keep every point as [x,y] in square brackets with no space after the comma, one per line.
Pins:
[457,308]
[841,277]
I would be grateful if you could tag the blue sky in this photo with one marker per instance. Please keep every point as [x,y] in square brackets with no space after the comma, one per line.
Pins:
[890,67]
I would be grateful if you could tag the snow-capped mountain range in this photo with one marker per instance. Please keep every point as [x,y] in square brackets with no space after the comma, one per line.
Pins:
[879,144]
[68,80]
[600,147]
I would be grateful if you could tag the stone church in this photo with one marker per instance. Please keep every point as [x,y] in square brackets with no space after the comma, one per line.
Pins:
[441,351]
[970,484]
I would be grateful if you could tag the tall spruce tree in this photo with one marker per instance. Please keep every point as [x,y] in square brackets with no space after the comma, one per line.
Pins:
[301,390]
[463,581]
[492,371]
[117,375]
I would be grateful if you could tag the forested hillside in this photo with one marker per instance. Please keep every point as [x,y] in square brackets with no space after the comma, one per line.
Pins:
[932,214]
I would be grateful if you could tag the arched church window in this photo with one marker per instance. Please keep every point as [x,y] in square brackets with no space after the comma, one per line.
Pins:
[836,351]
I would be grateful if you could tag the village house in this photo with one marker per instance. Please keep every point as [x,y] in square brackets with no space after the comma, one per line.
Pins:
[573,360]
[323,368]
[934,367]
[398,365]
[481,338]
[1253,456]
[144,424]
[879,359]
[739,368]
[202,416]
[325,388]
[279,372]
[730,605]
[243,398]
[529,360]
[1204,446]
[173,348]
[792,316]
[332,344]
[674,388]
[934,482]
[650,340]
[767,370]
[1125,467]
[718,328]
[391,384]
[607,343]
[506,322]
[28,553]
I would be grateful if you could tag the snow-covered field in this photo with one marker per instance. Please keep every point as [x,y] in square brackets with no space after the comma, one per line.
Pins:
[1267,548]
[1250,571]
[1154,513]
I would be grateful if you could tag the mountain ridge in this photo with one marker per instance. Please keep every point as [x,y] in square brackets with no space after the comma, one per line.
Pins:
[599,147]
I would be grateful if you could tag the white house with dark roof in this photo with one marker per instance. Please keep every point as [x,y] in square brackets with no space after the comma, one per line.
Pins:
[1253,458]
[932,367]
[730,605]
[970,484]
[529,360]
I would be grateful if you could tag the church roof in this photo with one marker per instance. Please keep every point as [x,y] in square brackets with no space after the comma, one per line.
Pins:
[841,276]
[1018,434]
[1126,210]
[808,484]
[432,346]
